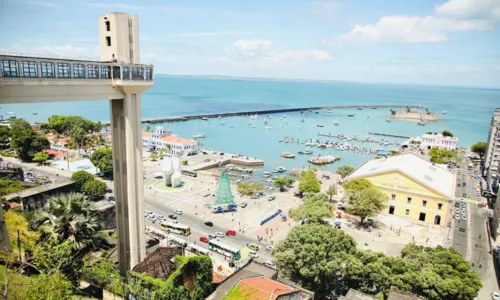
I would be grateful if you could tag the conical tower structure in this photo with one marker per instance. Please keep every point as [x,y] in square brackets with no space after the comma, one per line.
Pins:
[224,195]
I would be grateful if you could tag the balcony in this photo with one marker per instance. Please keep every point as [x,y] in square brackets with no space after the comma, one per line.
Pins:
[51,77]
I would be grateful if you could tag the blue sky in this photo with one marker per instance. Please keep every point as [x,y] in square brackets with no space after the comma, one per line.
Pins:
[455,42]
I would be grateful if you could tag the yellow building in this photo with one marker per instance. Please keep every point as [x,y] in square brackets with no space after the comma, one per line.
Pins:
[417,189]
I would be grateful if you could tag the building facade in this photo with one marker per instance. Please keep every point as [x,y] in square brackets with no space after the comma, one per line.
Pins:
[492,156]
[117,32]
[164,139]
[417,189]
[438,140]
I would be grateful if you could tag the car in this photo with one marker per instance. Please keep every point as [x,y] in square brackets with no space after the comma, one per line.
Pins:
[262,194]
[457,217]
[111,198]
[152,217]
[178,211]
[209,224]
[212,236]
[109,191]
[464,211]
[231,232]
[495,295]
[243,205]
[464,205]
[457,210]
[253,254]
[203,239]
[270,247]
[161,218]
[464,217]
[220,234]
[147,212]
[457,204]
[271,198]
[464,195]
[459,185]
[464,184]
[270,264]
[256,196]
[253,246]
[205,152]
[173,217]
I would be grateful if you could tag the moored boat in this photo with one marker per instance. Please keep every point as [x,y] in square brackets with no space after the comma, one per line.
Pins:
[287,155]
[199,135]
[320,125]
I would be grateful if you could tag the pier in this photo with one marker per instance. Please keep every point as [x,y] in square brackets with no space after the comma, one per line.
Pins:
[389,135]
[266,112]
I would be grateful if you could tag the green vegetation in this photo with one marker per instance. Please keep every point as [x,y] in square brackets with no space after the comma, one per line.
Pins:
[331,191]
[153,156]
[236,293]
[25,141]
[103,159]
[104,274]
[415,142]
[94,189]
[447,133]
[148,128]
[250,188]
[479,148]
[66,124]
[80,178]
[41,158]
[369,202]
[283,183]
[184,162]
[314,209]
[357,185]
[52,286]
[309,183]
[345,170]
[5,135]
[442,156]
[7,153]
[17,222]
[10,186]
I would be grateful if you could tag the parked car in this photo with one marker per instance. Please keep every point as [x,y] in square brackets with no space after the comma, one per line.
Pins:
[204,152]
[203,239]
[457,204]
[464,184]
[209,224]
[253,254]
[178,211]
[243,204]
[231,232]
[270,247]
[152,217]
[173,217]
[495,295]
[212,236]
[256,196]
[109,191]
[270,264]
[459,185]
[220,234]
[271,198]
[111,198]
[464,195]
[253,246]
[457,210]
[464,217]
[457,217]
[161,218]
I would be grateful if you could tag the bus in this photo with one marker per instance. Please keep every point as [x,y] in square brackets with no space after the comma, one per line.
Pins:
[196,249]
[155,233]
[176,228]
[173,240]
[189,173]
[224,249]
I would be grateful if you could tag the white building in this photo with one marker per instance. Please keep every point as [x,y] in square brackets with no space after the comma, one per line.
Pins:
[438,140]
[117,32]
[492,156]
[164,139]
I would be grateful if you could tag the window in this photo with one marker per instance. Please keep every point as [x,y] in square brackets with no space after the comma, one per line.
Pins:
[130,39]
[63,70]
[440,205]
[149,74]
[116,73]
[391,210]
[408,200]
[407,212]
[424,203]
[131,55]
[78,71]
[93,71]
[126,73]
[47,70]
[108,26]
[105,72]
[137,73]
[10,68]
[393,196]
[29,69]
[108,41]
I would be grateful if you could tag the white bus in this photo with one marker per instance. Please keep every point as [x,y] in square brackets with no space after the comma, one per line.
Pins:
[176,228]
[171,239]
[224,249]
[197,249]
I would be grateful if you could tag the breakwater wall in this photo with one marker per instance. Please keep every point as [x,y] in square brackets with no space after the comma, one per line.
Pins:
[266,111]
[390,135]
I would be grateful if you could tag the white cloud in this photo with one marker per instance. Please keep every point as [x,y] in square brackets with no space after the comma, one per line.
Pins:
[251,48]
[214,33]
[113,5]
[454,15]
[43,3]
[324,8]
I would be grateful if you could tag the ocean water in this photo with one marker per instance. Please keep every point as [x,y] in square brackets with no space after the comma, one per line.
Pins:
[469,113]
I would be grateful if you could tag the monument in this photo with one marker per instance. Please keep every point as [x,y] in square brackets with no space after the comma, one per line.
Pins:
[224,199]
[171,168]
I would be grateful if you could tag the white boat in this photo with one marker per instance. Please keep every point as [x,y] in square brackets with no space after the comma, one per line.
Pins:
[335,122]
[199,135]
[320,125]
[287,155]
[267,127]
[421,123]
[276,170]
[267,174]
[222,123]
[444,112]
[281,169]
[269,116]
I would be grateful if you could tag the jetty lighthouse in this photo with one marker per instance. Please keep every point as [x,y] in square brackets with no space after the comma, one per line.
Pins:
[118,78]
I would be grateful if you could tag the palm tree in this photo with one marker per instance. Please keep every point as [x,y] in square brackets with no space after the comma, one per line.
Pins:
[69,218]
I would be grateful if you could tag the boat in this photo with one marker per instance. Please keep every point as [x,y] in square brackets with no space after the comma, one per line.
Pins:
[388,120]
[267,127]
[267,174]
[199,135]
[359,108]
[444,112]
[287,155]
[35,113]
[421,123]
[351,115]
[323,160]
[303,120]
[222,123]
[204,118]
[307,151]
[320,125]
[269,117]
[276,170]
[220,117]
[335,122]
[374,107]
[281,169]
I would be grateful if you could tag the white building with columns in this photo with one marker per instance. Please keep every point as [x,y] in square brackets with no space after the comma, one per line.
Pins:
[164,139]
[438,140]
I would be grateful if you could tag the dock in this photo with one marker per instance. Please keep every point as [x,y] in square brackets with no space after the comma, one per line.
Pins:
[266,112]
[390,135]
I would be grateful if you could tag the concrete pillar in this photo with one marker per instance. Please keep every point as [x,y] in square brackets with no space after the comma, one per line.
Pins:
[128,180]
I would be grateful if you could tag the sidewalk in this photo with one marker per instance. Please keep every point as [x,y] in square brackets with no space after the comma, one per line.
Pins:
[43,169]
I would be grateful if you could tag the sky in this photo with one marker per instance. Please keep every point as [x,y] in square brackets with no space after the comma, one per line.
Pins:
[426,42]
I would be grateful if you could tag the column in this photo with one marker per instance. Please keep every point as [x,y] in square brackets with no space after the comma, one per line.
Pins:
[128,180]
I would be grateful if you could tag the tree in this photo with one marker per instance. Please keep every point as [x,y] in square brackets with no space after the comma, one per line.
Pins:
[442,156]
[80,178]
[312,254]
[5,134]
[25,141]
[10,186]
[16,222]
[315,208]
[148,128]
[51,286]
[331,191]
[447,133]
[94,189]
[479,148]
[367,203]
[309,183]
[103,159]
[283,183]
[41,158]
[250,188]
[357,185]
[184,162]
[344,170]
[153,156]
[69,218]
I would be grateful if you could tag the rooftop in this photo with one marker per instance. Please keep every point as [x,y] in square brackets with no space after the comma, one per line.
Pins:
[426,173]
[177,140]
[264,288]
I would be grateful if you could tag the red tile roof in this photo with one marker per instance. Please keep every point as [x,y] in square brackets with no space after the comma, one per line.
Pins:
[177,140]
[263,288]
[54,139]
[55,153]
[146,134]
